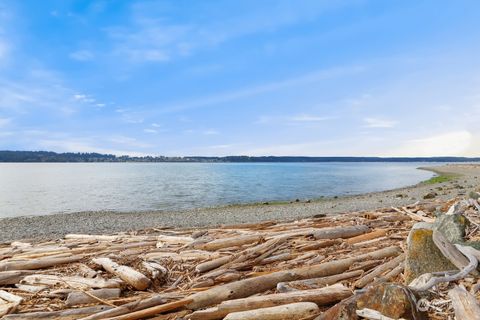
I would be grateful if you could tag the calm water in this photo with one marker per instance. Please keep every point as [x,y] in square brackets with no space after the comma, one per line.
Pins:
[44,188]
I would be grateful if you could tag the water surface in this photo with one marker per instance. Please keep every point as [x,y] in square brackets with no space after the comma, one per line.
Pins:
[45,188]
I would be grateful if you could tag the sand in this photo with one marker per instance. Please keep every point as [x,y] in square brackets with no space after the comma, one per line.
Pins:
[466,178]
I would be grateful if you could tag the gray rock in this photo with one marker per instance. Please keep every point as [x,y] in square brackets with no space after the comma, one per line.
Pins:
[452,226]
[423,256]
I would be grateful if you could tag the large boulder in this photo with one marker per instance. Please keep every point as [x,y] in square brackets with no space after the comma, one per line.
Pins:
[423,256]
[391,300]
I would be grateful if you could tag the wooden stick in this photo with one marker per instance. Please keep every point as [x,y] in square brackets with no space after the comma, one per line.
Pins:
[153,310]
[318,282]
[129,307]
[131,276]
[67,314]
[367,236]
[293,311]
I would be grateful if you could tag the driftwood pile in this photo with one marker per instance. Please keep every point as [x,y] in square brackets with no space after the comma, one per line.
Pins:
[269,270]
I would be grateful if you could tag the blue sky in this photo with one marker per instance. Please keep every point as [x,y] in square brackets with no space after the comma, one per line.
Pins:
[319,78]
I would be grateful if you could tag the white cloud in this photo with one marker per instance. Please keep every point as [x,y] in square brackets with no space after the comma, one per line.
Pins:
[4,122]
[308,118]
[455,143]
[148,130]
[155,125]
[210,132]
[82,55]
[378,123]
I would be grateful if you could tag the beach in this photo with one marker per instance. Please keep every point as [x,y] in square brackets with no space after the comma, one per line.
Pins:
[460,180]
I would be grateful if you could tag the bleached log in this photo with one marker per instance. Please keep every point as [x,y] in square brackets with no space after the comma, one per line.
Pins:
[86,271]
[127,308]
[153,311]
[371,314]
[340,232]
[465,304]
[79,297]
[30,289]
[207,314]
[363,281]
[73,281]
[162,239]
[321,244]
[450,252]
[92,237]
[68,314]
[229,242]
[13,277]
[367,236]
[248,287]
[322,296]
[212,264]
[293,311]
[131,276]
[319,282]
[154,269]
[37,263]
[7,296]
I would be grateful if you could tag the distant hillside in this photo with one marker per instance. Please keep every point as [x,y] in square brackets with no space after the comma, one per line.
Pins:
[48,156]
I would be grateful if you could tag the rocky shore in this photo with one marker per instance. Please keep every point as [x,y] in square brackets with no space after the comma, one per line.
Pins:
[461,179]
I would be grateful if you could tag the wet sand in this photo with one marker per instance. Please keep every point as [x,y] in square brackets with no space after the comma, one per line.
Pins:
[463,179]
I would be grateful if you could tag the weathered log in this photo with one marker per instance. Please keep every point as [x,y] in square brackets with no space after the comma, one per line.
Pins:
[207,314]
[153,310]
[229,242]
[212,264]
[68,314]
[33,264]
[340,232]
[322,296]
[13,277]
[450,252]
[318,282]
[73,282]
[131,276]
[127,308]
[79,297]
[363,281]
[367,236]
[293,311]
[321,244]
[248,287]
[465,305]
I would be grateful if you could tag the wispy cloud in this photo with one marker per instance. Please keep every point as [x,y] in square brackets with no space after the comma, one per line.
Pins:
[210,132]
[311,77]
[379,123]
[82,55]
[4,122]
[148,130]
[308,118]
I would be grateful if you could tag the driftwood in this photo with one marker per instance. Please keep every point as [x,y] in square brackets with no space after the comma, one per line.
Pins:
[13,277]
[67,314]
[316,282]
[465,305]
[234,271]
[79,297]
[33,264]
[247,287]
[321,296]
[294,311]
[362,282]
[127,274]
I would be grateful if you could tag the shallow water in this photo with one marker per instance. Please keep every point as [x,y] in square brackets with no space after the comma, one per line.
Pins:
[45,188]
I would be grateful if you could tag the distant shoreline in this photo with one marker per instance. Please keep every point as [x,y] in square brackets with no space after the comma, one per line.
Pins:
[463,178]
[7,156]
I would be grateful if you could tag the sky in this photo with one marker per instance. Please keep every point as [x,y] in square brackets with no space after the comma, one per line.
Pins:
[222,77]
